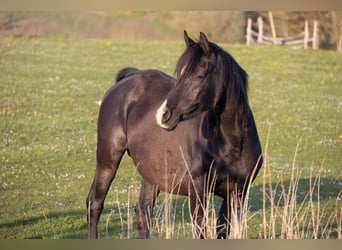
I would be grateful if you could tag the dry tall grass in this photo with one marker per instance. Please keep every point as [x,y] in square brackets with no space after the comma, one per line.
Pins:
[283,217]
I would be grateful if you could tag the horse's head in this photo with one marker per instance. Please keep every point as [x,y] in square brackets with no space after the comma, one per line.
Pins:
[196,89]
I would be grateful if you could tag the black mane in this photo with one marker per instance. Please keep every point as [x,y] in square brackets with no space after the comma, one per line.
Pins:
[232,77]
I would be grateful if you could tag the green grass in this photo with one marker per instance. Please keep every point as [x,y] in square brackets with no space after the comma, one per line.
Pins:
[48,115]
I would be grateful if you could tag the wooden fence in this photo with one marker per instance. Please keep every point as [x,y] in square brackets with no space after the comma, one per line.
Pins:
[302,39]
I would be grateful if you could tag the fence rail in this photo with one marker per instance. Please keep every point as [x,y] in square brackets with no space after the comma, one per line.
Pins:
[297,41]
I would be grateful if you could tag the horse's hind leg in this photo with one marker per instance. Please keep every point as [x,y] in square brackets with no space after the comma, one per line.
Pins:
[107,164]
[144,208]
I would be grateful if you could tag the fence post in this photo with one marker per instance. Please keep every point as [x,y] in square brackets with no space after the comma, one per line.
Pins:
[306,34]
[339,44]
[274,35]
[249,31]
[315,42]
[260,30]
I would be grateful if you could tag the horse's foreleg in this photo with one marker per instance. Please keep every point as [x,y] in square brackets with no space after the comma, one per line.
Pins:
[223,221]
[144,209]
[105,173]
[230,210]
[197,209]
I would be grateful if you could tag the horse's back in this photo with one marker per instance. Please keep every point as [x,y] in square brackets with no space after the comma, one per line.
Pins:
[133,87]
[134,91]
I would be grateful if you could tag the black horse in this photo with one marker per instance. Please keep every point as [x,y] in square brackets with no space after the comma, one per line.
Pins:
[181,133]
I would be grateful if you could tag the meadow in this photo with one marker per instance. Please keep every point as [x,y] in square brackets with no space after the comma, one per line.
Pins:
[49,102]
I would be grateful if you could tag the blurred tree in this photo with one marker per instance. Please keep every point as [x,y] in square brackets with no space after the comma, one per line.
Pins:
[220,26]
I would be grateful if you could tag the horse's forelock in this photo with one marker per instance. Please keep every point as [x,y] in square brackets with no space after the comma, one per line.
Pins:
[188,61]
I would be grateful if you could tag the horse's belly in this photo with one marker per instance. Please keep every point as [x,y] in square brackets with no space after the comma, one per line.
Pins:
[163,168]
[163,158]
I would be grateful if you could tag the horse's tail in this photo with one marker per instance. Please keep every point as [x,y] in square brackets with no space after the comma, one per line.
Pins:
[125,72]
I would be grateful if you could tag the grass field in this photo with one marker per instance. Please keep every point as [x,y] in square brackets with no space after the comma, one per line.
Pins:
[50,88]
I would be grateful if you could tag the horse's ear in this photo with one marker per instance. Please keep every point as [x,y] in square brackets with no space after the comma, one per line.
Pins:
[204,44]
[188,41]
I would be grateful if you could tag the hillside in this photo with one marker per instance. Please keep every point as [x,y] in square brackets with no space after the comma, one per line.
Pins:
[224,26]
[84,25]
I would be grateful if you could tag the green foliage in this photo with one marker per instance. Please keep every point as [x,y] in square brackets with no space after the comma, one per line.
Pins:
[50,88]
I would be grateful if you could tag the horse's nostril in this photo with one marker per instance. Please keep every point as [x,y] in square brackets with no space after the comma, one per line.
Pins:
[166,115]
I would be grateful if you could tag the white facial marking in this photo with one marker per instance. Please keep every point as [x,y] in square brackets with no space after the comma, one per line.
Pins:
[159,115]
[182,70]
